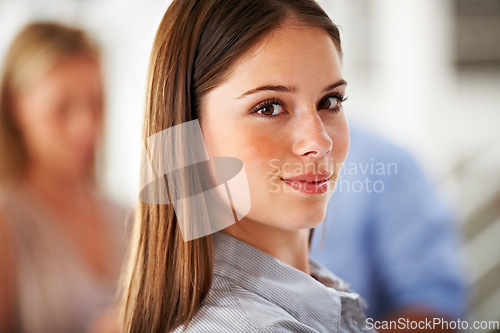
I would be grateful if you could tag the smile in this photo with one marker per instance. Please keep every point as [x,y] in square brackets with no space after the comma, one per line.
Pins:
[309,184]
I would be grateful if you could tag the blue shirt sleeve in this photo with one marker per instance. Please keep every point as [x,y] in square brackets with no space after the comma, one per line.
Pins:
[416,243]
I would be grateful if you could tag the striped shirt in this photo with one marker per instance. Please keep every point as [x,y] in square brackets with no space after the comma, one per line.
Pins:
[255,292]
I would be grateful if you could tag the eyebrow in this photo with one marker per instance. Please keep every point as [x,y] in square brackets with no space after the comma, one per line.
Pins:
[280,88]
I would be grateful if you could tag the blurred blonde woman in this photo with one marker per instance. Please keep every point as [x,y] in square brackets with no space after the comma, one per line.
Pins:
[61,241]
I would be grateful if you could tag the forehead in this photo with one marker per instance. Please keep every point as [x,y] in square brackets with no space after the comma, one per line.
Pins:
[70,74]
[290,53]
[75,67]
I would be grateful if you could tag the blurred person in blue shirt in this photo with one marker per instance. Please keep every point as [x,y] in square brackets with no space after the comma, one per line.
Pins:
[388,233]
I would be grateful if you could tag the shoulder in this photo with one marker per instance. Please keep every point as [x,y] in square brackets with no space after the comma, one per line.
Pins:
[117,212]
[220,311]
[6,240]
[230,308]
[118,216]
[7,275]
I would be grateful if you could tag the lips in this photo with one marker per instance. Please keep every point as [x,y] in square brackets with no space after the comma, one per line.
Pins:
[309,183]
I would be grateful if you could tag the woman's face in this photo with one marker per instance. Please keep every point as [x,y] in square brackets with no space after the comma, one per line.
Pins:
[280,113]
[60,117]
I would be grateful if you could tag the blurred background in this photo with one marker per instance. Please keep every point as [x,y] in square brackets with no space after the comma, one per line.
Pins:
[422,73]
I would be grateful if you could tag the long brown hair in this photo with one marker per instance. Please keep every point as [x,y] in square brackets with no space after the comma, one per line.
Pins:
[196,45]
[36,49]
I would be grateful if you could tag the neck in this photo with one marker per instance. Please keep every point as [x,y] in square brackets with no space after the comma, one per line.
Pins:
[289,246]
[52,185]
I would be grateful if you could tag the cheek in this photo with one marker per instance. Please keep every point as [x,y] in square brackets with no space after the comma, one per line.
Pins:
[46,139]
[39,129]
[254,145]
[37,121]
[260,147]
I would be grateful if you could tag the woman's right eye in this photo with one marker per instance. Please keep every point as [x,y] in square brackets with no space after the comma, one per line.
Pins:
[271,110]
[268,109]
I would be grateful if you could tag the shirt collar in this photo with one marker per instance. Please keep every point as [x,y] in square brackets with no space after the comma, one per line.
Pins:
[307,299]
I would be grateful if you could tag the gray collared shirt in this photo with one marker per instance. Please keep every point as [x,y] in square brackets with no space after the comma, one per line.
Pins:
[255,292]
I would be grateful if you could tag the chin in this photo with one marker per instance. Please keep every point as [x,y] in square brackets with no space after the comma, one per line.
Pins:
[288,217]
[304,219]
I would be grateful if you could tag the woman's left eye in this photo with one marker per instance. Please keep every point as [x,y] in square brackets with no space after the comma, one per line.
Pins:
[332,103]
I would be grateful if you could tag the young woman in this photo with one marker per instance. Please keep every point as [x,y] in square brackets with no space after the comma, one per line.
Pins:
[61,242]
[264,80]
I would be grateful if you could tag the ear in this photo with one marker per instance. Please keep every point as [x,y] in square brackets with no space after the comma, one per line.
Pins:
[15,114]
[14,110]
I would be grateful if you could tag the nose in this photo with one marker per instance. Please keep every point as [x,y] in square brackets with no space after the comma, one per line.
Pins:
[85,125]
[311,138]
